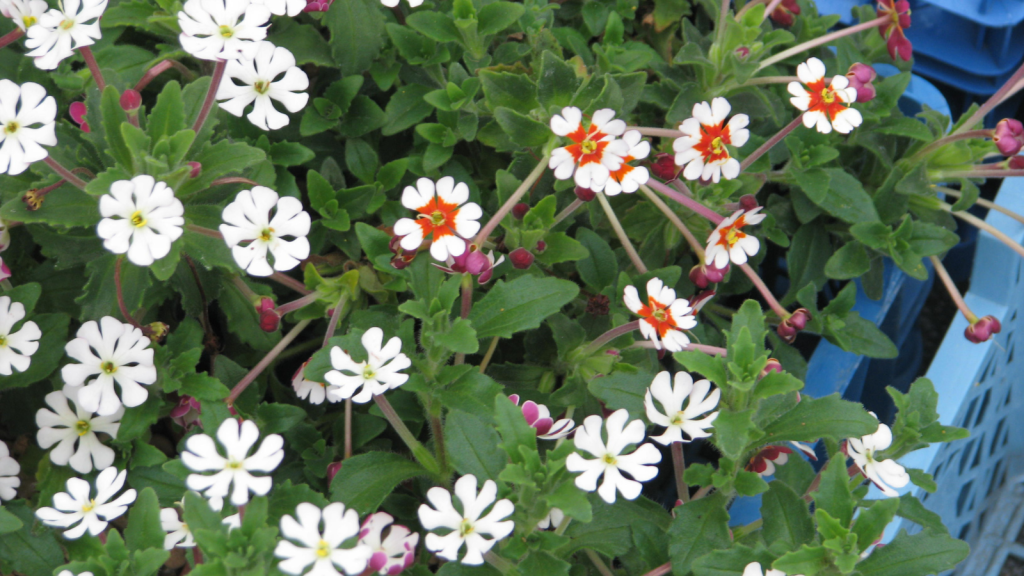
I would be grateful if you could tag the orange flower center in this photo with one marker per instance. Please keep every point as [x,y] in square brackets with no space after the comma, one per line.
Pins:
[656,314]
[588,147]
[825,100]
[712,142]
[437,217]
[730,235]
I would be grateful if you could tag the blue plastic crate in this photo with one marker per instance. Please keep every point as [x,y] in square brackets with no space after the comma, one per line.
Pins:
[994,13]
[963,45]
[844,8]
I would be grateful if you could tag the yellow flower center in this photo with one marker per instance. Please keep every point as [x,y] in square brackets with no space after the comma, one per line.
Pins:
[82,427]
[138,220]
[89,507]
[466,528]
[609,459]
[369,373]
[108,367]
[732,236]
[226,31]
[828,96]
[716,145]
[29,21]
[3,341]
[11,127]
[261,87]
[437,218]
[267,234]
[660,315]
[323,549]
[588,146]
[677,419]
[233,465]
[67,24]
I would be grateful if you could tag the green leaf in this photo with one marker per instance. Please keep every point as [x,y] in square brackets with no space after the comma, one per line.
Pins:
[113,117]
[26,552]
[833,493]
[9,522]
[148,562]
[711,367]
[220,159]
[305,42]
[515,432]
[515,91]
[572,501]
[168,115]
[561,248]
[521,304]
[357,35]
[907,127]
[600,269]
[460,337]
[808,560]
[365,480]
[931,240]
[838,193]
[871,521]
[926,552]
[807,257]
[144,529]
[815,418]
[850,261]
[786,517]
[66,206]
[434,25]
[734,431]
[522,129]
[473,446]
[406,108]
[99,298]
[556,81]
[912,509]
[622,390]
[731,562]
[861,336]
[497,16]
[539,562]
[275,418]
[361,160]
[290,154]
[699,527]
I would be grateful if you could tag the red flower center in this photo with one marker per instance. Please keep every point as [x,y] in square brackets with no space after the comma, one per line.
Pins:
[712,142]
[587,148]
[824,99]
[657,315]
[732,234]
[437,217]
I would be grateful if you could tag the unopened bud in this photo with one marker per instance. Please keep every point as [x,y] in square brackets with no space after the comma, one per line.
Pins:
[77,112]
[270,320]
[541,246]
[664,166]
[748,202]
[715,275]
[787,332]
[742,52]
[1015,163]
[521,258]
[786,12]
[131,100]
[156,331]
[1009,136]
[983,329]
[773,365]
[585,194]
[861,77]
[520,210]
[5,271]
[800,318]
[197,169]
[265,303]
[332,471]
[698,277]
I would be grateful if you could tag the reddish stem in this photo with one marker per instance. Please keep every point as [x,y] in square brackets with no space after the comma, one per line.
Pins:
[211,95]
[954,294]
[120,295]
[11,37]
[290,282]
[764,148]
[64,173]
[686,201]
[765,292]
[262,365]
[234,180]
[94,68]
[159,69]
[298,303]
[660,570]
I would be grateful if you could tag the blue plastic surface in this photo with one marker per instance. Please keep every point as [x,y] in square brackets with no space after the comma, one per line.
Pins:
[844,8]
[964,45]
[994,13]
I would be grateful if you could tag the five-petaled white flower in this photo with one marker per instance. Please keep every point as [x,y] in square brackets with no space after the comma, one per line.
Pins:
[628,178]
[825,107]
[754,569]
[283,7]
[50,39]
[16,348]
[178,534]
[222,29]
[728,241]
[674,418]
[886,474]
[595,151]
[376,375]
[66,428]
[444,215]
[25,128]
[466,527]
[539,418]
[109,352]
[664,317]
[24,13]
[271,75]
[393,3]
[392,554]
[70,573]
[324,549]
[148,219]
[90,513]
[315,392]
[201,456]
[609,459]
[702,149]
[247,220]
[9,470]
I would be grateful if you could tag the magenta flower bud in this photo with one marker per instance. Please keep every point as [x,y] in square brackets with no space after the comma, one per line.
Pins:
[742,52]
[131,100]
[861,77]
[773,365]
[541,246]
[786,12]
[664,166]
[982,330]
[787,332]
[520,210]
[585,194]
[715,275]
[698,277]
[1009,136]
[748,202]
[800,318]
[266,303]
[521,258]
[318,6]
[1015,163]
[187,412]
[5,271]
[197,169]
[77,112]
[332,471]
[270,320]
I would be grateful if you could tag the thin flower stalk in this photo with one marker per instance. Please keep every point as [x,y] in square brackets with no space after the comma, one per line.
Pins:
[770,143]
[621,233]
[598,563]
[11,36]
[161,67]
[1005,91]
[66,174]
[94,68]
[495,220]
[422,455]
[976,171]
[499,563]
[685,200]
[679,467]
[954,293]
[983,203]
[659,571]
[120,295]
[218,75]
[290,282]
[771,8]
[709,350]
[870,24]
[262,365]
[610,335]
[746,7]
[298,304]
[437,430]
[336,313]
[348,428]
[249,294]
[765,292]
[982,225]
[657,132]
[233,180]
[567,211]
[489,354]
[695,245]
[952,138]
[770,79]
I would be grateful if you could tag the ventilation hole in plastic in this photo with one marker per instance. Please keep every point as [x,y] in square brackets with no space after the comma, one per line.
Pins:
[978,454]
[1009,357]
[995,437]
[938,470]
[1009,397]
[984,407]
[1002,478]
[994,477]
[924,497]
[1009,340]
[964,531]
[966,456]
[966,422]
[970,507]
[1006,436]
[1014,317]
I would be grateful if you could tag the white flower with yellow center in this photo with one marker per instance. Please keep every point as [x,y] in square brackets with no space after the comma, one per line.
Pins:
[27,118]
[234,468]
[282,7]
[16,348]
[74,432]
[222,29]
[251,233]
[703,147]
[376,375]
[76,506]
[178,533]
[468,526]
[271,75]
[141,217]
[728,242]
[109,352]
[24,13]
[886,474]
[826,107]
[609,459]
[306,544]
[60,31]
[9,470]
[443,214]
[676,419]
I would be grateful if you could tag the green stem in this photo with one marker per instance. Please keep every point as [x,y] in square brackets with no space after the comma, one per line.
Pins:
[747,529]
[685,200]
[422,455]
[94,68]
[610,335]
[499,563]
[621,233]
[975,172]
[262,365]
[512,201]
[765,292]
[695,245]
[952,138]
[437,428]
[720,25]
[565,213]
[982,225]
[489,354]
[984,203]
[598,563]
[660,570]
[64,173]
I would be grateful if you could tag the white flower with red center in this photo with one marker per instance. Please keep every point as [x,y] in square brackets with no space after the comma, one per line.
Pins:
[466,527]
[16,348]
[609,459]
[595,151]
[702,149]
[886,474]
[222,29]
[628,178]
[444,215]
[59,32]
[109,352]
[391,554]
[664,317]
[24,13]
[90,513]
[251,233]
[825,107]
[674,417]
[728,242]
[539,418]
[74,432]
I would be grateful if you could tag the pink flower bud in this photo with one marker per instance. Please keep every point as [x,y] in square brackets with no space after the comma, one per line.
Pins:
[786,12]
[541,246]
[715,275]
[270,320]
[742,52]
[131,100]
[403,257]
[5,272]
[332,471]
[520,210]
[318,6]
[982,330]
[698,277]
[1015,163]
[773,365]
[787,332]
[77,111]
[861,77]
[521,258]
[748,202]
[265,303]
[197,169]
[1009,136]
[800,318]
[399,263]
[664,166]
[585,194]
[187,412]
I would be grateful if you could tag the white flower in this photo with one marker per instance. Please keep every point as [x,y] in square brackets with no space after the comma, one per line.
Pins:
[393,554]
[886,474]
[222,29]
[304,388]
[664,317]
[323,549]
[552,520]
[702,149]
[258,84]
[247,220]
[70,573]
[65,428]
[609,459]
[9,470]
[24,132]
[675,418]
[110,351]
[149,219]
[178,534]
[50,39]
[729,242]
[825,107]
[282,7]
[17,348]
[627,178]
[393,3]
[201,456]
[5,236]
[24,13]
[444,214]
[378,374]
[93,514]
[594,153]
[539,418]
[754,569]
[466,527]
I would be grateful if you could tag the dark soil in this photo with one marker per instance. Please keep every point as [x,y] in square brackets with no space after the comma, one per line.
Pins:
[1012,567]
